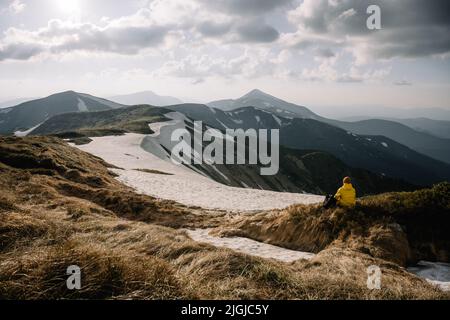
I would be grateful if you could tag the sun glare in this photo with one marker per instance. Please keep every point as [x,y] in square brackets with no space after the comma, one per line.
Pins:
[69,6]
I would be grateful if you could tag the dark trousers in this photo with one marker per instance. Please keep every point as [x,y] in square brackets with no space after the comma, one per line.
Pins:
[329,202]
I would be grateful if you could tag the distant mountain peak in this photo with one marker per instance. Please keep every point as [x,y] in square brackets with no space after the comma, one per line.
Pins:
[256,94]
[68,92]
[261,100]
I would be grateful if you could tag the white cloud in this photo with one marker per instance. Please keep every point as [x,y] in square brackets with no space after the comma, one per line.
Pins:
[17,6]
[127,35]
[250,64]
[330,69]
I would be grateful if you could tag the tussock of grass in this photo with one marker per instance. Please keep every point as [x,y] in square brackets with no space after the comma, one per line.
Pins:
[15,228]
[6,203]
[106,274]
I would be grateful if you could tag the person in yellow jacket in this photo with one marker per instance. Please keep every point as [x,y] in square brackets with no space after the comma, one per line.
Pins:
[346,195]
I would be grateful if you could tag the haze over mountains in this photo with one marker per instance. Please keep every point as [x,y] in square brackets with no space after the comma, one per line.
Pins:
[355,113]
[386,151]
[14,102]
[438,128]
[145,97]
[423,142]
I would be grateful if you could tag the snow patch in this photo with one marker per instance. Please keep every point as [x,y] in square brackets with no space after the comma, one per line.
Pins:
[384,144]
[250,247]
[278,120]
[82,106]
[222,124]
[437,273]
[184,186]
[26,132]
[220,173]
[244,184]
[212,110]
[258,118]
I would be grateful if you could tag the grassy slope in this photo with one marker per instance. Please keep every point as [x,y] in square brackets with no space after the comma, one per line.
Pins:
[60,206]
[400,227]
[132,119]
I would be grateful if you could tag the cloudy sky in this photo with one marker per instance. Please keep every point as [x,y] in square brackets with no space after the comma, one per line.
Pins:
[313,52]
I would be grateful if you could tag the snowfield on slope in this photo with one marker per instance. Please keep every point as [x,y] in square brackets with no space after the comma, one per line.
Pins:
[26,132]
[437,273]
[184,185]
[249,246]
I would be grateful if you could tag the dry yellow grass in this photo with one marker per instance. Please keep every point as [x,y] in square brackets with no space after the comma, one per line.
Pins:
[399,227]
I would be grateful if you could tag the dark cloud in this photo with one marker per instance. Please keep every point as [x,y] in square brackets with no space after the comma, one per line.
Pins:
[411,42]
[349,16]
[325,53]
[124,40]
[212,29]
[404,13]
[255,31]
[84,37]
[247,7]
[19,51]
[410,28]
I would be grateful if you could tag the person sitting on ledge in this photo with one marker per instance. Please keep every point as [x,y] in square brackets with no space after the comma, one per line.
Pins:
[346,195]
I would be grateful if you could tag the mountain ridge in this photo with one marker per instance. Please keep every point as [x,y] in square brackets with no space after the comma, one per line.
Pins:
[368,153]
[300,129]
[31,113]
[145,97]
[422,142]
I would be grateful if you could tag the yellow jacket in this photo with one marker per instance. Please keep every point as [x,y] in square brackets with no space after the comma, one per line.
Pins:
[346,195]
